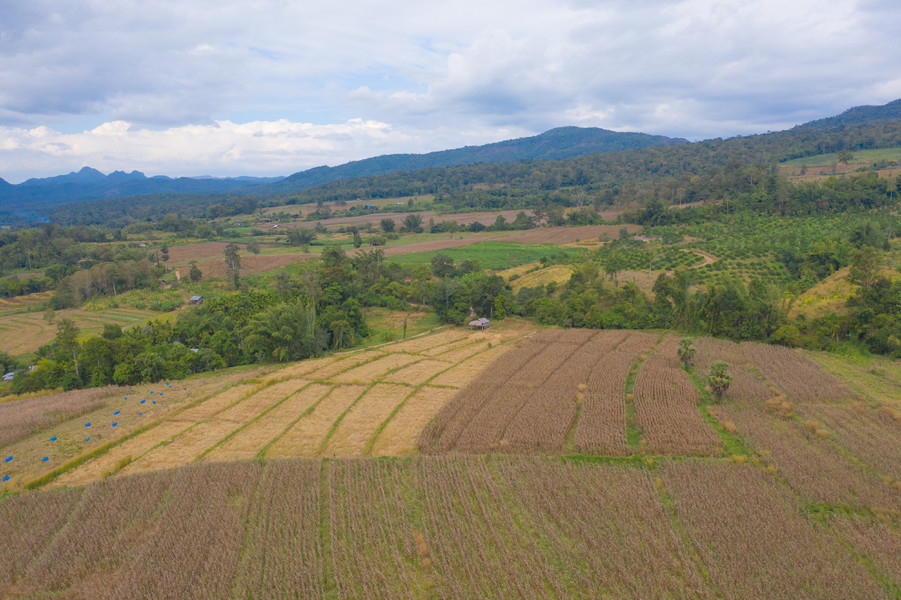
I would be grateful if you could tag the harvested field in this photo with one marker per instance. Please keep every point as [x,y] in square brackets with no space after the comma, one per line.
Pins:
[372,370]
[666,407]
[808,463]
[418,372]
[308,434]
[183,448]
[254,404]
[251,264]
[730,514]
[251,440]
[22,332]
[401,434]
[295,410]
[353,433]
[796,375]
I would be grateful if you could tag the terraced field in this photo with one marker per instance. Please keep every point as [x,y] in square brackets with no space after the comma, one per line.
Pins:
[22,332]
[513,464]
[368,402]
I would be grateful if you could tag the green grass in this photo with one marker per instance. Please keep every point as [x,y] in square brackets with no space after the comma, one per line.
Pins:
[491,255]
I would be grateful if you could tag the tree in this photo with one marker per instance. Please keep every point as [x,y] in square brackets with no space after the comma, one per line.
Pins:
[866,264]
[301,236]
[233,264]
[719,379]
[686,351]
[613,264]
[284,332]
[387,225]
[253,247]
[195,274]
[413,223]
[845,156]
[67,338]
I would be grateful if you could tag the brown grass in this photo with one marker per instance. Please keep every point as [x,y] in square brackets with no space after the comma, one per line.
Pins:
[305,437]
[358,426]
[248,442]
[400,435]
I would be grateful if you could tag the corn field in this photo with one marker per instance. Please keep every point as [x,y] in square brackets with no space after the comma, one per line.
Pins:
[450,526]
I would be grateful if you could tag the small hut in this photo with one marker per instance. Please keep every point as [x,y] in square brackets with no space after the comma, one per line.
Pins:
[482,323]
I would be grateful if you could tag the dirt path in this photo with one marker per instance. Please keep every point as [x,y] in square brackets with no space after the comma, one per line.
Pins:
[709,259]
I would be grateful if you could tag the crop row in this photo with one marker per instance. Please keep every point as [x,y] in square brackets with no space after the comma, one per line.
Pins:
[450,526]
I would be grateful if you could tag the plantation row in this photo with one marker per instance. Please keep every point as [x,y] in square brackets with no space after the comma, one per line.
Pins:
[439,527]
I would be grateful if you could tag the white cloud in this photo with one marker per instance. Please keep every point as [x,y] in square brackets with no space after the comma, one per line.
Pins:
[436,73]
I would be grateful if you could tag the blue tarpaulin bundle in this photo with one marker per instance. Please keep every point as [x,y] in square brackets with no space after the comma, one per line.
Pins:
[45,459]
[143,401]
[8,458]
[116,423]
[116,413]
[88,440]
[88,424]
[6,478]
[53,439]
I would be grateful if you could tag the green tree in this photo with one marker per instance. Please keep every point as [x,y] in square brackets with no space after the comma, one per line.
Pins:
[686,351]
[195,274]
[67,338]
[866,264]
[719,378]
[301,236]
[284,332]
[253,247]
[387,225]
[845,156]
[233,264]
[413,223]
[613,264]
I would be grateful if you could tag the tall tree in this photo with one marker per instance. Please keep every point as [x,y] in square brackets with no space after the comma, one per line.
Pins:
[233,264]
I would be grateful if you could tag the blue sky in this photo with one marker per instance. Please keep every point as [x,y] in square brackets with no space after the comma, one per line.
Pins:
[271,87]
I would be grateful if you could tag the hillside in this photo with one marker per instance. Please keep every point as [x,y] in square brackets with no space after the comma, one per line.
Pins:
[90,184]
[548,464]
[38,196]
[555,144]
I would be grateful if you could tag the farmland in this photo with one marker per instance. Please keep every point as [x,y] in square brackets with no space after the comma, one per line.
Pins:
[509,463]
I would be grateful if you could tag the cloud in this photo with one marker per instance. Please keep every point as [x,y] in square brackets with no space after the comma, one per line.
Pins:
[432,75]
[221,148]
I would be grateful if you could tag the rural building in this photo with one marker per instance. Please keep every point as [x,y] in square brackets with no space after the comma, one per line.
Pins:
[196,300]
[482,323]
[9,377]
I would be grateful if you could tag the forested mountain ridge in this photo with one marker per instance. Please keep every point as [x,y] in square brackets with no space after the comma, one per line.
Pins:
[40,194]
[555,144]
[683,172]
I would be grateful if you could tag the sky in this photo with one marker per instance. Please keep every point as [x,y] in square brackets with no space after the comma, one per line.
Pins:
[272,87]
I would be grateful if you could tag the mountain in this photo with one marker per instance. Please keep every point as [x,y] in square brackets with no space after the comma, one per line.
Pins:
[91,184]
[555,144]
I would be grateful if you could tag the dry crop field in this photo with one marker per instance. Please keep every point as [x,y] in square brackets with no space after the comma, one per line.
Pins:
[512,463]
[367,402]
[439,527]
[22,332]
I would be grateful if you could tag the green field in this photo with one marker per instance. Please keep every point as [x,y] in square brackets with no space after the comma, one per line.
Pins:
[491,255]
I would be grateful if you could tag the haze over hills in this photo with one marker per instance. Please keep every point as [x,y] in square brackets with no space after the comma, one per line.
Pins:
[605,159]
[90,184]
